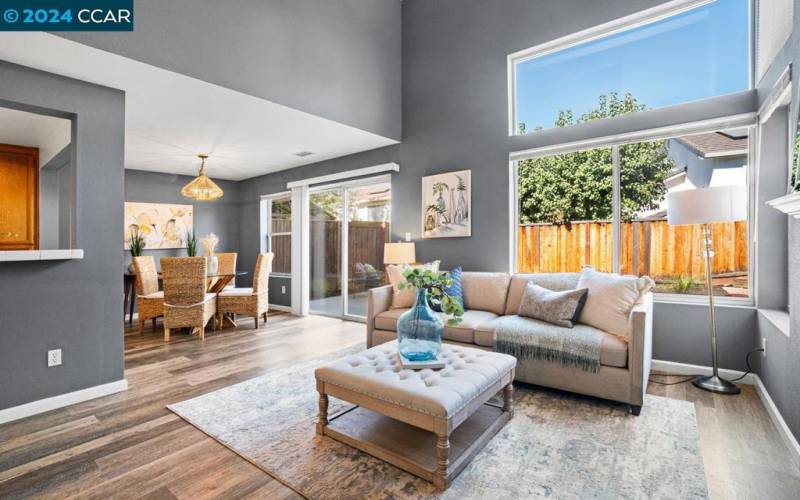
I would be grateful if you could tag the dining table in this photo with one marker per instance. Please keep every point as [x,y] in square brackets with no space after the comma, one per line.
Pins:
[215,284]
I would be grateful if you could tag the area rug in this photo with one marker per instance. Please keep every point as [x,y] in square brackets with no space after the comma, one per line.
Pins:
[557,445]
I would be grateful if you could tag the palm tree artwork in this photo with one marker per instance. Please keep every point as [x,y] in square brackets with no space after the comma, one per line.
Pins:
[446,205]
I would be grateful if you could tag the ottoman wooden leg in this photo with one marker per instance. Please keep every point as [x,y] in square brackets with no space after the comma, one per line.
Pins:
[508,399]
[442,461]
[322,419]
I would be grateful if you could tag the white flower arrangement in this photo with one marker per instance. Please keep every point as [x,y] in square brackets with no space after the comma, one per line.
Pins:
[209,243]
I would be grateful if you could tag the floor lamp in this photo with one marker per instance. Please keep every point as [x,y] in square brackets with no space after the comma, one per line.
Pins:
[706,206]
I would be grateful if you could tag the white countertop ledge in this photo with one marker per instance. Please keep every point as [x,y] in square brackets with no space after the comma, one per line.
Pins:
[29,255]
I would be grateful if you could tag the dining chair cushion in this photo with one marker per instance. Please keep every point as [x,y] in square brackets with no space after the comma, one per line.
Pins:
[236,292]
[154,295]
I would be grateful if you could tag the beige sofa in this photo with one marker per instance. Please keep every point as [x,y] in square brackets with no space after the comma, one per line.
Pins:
[625,366]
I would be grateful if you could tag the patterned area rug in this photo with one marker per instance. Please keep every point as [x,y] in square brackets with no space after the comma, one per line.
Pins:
[557,445]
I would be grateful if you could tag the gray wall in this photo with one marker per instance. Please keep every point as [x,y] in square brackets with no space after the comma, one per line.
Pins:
[336,59]
[455,117]
[220,217]
[73,305]
[779,248]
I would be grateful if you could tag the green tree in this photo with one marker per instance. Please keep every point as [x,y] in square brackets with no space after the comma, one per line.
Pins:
[578,186]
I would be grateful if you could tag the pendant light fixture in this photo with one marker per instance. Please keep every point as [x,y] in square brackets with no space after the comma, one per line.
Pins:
[202,188]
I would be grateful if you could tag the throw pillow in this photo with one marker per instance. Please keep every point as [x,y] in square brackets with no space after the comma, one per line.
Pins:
[611,298]
[453,290]
[558,308]
[403,299]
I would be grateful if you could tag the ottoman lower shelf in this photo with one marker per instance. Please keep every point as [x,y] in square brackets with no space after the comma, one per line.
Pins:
[411,448]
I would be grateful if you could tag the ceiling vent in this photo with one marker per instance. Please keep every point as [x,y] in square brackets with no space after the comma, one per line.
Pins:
[303,154]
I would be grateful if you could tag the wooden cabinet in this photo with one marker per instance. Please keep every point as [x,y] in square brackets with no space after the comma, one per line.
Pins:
[19,198]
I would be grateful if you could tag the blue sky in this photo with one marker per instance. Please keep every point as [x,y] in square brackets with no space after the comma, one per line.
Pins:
[700,53]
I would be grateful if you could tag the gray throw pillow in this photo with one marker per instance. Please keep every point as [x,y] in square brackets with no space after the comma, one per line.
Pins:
[558,308]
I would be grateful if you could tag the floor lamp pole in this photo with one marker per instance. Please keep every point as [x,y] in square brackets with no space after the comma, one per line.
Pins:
[714,382]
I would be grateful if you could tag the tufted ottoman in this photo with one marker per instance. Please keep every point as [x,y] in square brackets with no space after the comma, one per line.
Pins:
[427,422]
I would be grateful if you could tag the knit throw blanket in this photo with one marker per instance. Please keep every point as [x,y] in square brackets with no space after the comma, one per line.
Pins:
[526,338]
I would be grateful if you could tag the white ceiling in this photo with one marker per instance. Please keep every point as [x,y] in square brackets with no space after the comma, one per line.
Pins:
[48,133]
[170,118]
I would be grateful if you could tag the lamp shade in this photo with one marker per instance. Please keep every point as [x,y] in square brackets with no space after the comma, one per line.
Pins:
[707,205]
[399,253]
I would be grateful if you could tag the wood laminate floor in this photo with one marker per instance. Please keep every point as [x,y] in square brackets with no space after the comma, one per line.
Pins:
[129,445]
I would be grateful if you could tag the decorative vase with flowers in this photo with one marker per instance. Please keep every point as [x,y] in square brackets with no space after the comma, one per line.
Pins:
[209,244]
[419,330]
[136,246]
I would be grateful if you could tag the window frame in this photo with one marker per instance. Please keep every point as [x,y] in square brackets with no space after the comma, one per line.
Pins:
[266,223]
[749,121]
[609,28]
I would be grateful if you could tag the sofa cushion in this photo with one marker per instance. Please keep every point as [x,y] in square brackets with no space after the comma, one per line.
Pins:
[485,291]
[558,308]
[463,332]
[610,300]
[387,320]
[552,281]
[613,350]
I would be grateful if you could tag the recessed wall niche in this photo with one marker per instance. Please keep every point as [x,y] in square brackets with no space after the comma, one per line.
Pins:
[37,181]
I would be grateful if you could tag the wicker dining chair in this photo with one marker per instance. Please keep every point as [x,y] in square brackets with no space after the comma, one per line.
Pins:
[186,302]
[149,298]
[253,302]
[226,264]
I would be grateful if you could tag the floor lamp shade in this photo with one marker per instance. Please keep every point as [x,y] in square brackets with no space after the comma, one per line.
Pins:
[707,205]
[399,253]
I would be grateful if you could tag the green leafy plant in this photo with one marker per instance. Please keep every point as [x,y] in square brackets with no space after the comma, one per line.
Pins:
[191,244]
[435,283]
[137,243]
[578,186]
[682,284]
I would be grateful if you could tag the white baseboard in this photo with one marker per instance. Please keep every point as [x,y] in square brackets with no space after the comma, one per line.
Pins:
[280,308]
[777,419]
[751,379]
[686,369]
[70,398]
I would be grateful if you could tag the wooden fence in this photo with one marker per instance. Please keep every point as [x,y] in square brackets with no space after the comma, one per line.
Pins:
[365,245]
[652,248]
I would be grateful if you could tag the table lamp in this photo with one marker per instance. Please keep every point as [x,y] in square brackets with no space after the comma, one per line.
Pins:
[399,253]
[705,206]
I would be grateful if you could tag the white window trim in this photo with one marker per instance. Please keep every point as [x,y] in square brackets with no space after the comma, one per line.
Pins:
[748,120]
[266,223]
[621,24]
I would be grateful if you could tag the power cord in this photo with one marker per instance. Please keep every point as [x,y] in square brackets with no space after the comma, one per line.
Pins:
[747,362]
[692,377]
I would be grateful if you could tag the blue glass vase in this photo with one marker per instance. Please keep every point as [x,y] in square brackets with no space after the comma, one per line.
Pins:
[419,330]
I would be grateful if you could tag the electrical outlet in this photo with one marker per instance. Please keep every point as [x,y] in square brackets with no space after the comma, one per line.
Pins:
[764,346]
[283,289]
[53,358]
[408,237]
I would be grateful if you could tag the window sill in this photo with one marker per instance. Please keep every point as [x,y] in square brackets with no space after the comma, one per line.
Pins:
[32,255]
[702,300]
[789,204]
[778,318]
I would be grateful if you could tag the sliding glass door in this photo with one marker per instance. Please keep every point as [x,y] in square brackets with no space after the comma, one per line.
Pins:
[326,210]
[348,226]
[368,229]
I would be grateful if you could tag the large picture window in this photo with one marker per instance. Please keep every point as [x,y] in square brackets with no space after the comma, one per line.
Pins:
[676,54]
[607,208]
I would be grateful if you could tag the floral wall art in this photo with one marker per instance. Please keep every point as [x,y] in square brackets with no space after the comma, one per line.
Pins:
[162,225]
[446,205]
